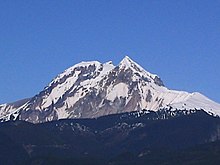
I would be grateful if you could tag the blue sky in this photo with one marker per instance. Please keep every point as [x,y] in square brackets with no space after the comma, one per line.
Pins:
[178,40]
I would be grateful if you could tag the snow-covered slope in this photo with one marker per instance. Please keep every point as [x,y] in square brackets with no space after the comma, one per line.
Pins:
[92,89]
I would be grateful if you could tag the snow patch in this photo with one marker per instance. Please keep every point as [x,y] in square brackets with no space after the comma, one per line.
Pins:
[119,90]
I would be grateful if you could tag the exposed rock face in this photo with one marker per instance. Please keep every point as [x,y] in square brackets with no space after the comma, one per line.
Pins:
[92,89]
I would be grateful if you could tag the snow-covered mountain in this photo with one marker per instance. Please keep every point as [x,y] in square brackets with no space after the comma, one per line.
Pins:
[92,89]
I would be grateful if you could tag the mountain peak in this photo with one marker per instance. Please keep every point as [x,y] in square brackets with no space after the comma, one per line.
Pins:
[127,62]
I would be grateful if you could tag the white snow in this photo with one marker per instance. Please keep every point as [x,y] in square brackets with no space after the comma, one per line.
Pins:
[59,90]
[198,101]
[71,69]
[61,112]
[119,90]
[128,63]
[77,96]
[7,110]
[179,100]
[107,67]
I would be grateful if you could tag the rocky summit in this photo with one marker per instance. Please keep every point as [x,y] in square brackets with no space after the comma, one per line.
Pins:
[92,89]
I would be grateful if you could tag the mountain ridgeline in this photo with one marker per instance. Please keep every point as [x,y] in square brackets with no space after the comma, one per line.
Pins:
[126,138]
[92,89]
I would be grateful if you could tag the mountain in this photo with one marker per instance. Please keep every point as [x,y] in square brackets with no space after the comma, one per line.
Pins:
[92,89]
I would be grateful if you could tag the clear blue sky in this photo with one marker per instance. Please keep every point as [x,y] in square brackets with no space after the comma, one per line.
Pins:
[178,40]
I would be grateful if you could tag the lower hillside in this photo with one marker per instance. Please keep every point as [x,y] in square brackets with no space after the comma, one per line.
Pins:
[128,138]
